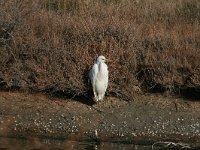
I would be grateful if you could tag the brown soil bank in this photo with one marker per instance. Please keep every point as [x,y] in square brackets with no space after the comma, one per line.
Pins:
[145,120]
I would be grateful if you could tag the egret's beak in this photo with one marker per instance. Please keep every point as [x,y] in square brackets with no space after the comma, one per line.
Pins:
[108,60]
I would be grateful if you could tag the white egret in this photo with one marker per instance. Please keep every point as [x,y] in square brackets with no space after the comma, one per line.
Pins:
[99,78]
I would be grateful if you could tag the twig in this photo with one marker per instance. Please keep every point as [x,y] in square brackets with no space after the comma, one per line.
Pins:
[172,145]
[97,109]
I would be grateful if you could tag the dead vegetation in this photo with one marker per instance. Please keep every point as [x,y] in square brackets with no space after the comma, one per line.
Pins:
[172,145]
[50,45]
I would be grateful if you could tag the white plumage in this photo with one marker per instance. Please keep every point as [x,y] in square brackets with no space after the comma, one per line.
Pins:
[99,78]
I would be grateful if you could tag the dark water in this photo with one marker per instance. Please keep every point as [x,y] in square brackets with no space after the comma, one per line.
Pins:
[47,144]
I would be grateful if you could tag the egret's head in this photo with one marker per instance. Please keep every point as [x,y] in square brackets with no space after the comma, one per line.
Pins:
[101,59]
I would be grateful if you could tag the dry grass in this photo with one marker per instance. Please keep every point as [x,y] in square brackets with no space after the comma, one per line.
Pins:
[50,45]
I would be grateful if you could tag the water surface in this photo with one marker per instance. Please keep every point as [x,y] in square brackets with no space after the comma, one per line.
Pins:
[49,144]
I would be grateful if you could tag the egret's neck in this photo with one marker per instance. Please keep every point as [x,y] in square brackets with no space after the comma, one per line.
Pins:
[101,64]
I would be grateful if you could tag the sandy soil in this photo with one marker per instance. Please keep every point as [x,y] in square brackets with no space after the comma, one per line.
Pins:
[145,120]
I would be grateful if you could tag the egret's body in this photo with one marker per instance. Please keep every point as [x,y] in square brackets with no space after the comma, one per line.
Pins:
[99,78]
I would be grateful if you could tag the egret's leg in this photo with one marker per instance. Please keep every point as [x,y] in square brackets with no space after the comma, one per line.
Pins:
[95,93]
[101,96]
[95,96]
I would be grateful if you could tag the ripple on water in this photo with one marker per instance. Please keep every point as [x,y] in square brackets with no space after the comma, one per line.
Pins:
[36,143]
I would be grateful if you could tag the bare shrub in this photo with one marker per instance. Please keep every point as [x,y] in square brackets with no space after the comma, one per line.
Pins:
[50,45]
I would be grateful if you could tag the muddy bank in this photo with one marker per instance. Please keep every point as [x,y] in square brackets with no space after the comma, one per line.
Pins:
[145,120]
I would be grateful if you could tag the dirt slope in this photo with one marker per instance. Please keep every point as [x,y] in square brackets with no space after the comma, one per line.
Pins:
[145,120]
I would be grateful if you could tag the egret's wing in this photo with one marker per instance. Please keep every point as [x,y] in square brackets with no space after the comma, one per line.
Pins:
[93,74]
[106,80]
[106,83]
